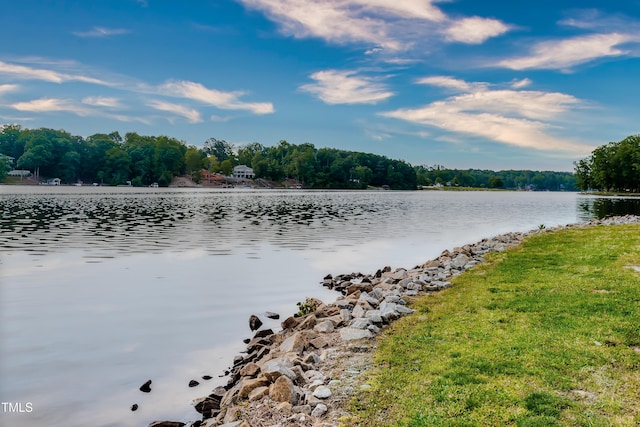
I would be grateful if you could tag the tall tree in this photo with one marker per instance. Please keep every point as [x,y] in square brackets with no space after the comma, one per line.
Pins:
[222,149]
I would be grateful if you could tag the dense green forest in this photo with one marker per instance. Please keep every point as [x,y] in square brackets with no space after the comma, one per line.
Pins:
[112,160]
[612,167]
[512,179]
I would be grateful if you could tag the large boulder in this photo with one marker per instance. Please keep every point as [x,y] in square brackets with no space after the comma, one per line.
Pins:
[247,385]
[282,390]
[325,326]
[275,368]
[295,343]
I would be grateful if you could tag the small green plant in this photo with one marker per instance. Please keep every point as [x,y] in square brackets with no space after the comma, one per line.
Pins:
[541,227]
[305,307]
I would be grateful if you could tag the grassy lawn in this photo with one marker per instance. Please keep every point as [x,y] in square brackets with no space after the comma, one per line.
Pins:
[547,334]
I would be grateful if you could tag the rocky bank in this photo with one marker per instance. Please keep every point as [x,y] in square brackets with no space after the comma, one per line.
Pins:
[304,374]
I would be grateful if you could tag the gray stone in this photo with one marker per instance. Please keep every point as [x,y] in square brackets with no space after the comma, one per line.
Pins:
[358,311]
[361,323]
[275,368]
[388,310]
[403,310]
[319,410]
[365,297]
[324,327]
[375,316]
[377,293]
[399,274]
[295,343]
[373,328]
[460,261]
[404,282]
[322,392]
[415,286]
[349,334]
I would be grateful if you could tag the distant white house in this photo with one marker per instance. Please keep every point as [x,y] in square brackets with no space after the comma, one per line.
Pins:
[19,172]
[243,172]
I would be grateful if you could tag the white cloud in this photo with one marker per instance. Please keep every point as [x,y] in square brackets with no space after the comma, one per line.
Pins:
[219,99]
[334,21]
[451,83]
[518,118]
[47,105]
[102,101]
[190,114]
[392,25]
[101,32]
[29,73]
[6,88]
[51,105]
[564,54]
[519,84]
[475,30]
[344,87]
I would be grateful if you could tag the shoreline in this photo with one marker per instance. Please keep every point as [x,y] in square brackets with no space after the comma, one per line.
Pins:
[305,374]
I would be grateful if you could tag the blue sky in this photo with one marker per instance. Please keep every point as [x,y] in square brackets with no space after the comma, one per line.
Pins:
[464,84]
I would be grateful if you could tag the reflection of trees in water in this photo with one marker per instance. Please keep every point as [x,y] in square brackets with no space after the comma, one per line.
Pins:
[601,207]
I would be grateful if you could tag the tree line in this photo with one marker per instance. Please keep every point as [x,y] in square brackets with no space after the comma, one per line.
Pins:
[611,167]
[142,160]
[511,179]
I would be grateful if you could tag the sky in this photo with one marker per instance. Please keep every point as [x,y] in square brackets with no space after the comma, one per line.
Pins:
[463,83]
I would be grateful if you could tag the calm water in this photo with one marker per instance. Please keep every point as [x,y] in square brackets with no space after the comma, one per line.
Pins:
[104,288]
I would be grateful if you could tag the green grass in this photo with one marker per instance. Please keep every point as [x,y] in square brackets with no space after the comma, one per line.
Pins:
[546,334]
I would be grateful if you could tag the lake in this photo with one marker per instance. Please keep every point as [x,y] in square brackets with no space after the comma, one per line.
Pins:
[105,288]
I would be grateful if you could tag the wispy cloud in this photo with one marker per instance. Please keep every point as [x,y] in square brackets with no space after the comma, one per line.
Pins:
[49,71]
[345,87]
[519,84]
[216,98]
[53,105]
[47,105]
[24,72]
[101,32]
[387,24]
[475,30]
[518,118]
[192,115]
[102,101]
[566,53]
[6,88]
[451,83]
